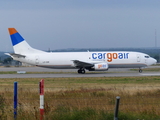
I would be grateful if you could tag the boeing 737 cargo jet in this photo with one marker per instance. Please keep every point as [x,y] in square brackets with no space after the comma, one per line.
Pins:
[92,61]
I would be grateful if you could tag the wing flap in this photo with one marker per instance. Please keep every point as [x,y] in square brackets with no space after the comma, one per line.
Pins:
[81,64]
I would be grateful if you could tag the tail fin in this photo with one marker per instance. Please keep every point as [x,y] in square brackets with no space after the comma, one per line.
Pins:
[20,46]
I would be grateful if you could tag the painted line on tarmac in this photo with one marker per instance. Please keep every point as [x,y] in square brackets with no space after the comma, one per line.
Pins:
[150,74]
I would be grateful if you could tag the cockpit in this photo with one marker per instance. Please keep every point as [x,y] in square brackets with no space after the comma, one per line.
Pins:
[147,56]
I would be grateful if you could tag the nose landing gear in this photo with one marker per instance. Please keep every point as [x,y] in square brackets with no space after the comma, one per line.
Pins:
[140,70]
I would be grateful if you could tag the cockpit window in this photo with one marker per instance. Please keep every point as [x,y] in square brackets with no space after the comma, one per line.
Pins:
[146,56]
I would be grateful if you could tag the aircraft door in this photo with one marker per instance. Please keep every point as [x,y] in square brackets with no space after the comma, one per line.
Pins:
[138,58]
[145,59]
[37,59]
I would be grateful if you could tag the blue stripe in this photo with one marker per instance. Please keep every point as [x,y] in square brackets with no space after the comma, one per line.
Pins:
[16,38]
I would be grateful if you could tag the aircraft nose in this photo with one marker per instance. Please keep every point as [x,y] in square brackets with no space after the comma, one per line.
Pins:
[154,61]
[151,61]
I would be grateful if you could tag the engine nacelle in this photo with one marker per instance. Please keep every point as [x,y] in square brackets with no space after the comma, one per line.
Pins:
[99,67]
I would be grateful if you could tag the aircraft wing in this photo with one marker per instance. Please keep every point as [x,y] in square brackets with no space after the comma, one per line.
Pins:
[80,64]
[15,55]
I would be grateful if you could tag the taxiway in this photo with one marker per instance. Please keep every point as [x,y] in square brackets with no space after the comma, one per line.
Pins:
[72,73]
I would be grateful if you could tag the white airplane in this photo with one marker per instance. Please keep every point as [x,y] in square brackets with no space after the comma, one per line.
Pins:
[92,61]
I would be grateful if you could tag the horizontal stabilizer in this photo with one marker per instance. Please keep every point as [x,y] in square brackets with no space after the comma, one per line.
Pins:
[15,55]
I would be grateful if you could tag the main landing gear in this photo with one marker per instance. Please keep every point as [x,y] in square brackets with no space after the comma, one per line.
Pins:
[140,70]
[82,71]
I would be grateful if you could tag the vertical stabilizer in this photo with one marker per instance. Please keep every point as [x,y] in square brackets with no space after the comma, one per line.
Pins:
[20,46]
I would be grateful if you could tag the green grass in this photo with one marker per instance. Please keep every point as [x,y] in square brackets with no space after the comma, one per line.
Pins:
[83,98]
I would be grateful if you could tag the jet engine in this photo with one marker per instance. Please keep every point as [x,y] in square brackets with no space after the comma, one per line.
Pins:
[99,67]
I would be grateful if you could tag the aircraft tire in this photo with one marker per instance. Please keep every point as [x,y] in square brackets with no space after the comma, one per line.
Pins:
[81,71]
[140,70]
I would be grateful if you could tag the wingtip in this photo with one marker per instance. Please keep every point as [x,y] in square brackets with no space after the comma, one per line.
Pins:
[12,31]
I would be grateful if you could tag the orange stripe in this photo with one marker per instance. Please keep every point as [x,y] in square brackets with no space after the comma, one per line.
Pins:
[12,31]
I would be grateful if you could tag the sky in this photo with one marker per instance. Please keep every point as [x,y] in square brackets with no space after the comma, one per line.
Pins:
[63,24]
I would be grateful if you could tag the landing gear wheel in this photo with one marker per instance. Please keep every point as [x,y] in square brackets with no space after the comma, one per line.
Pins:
[140,70]
[82,71]
[79,71]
